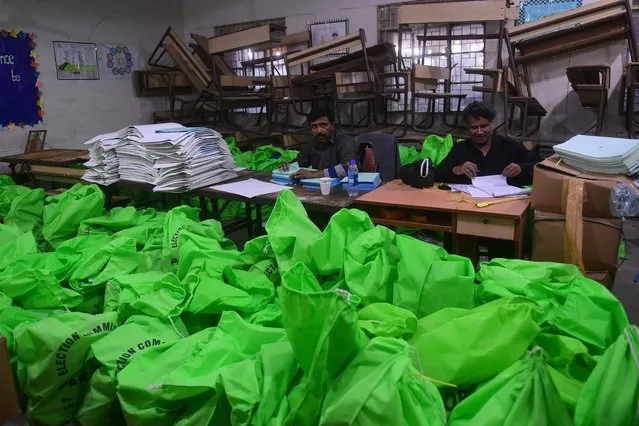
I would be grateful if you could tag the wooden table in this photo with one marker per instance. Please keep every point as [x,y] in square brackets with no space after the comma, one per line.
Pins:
[438,210]
[50,161]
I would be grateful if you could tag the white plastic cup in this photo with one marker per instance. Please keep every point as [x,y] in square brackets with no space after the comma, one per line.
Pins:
[325,185]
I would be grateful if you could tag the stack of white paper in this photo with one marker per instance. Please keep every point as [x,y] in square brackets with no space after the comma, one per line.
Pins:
[102,168]
[600,154]
[490,187]
[170,156]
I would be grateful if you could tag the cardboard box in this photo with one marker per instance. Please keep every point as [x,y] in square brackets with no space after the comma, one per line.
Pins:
[550,178]
[600,242]
[9,408]
[602,277]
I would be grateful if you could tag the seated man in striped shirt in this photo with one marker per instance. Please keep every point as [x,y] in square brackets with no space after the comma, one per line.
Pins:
[329,152]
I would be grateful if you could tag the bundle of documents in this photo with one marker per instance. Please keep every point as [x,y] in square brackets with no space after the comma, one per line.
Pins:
[169,156]
[102,168]
[492,186]
[365,181]
[314,183]
[598,154]
[283,177]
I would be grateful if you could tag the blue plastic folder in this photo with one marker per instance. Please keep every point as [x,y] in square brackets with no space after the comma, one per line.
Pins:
[315,183]
[366,181]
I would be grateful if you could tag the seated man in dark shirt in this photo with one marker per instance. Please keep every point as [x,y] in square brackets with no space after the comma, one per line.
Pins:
[486,153]
[329,152]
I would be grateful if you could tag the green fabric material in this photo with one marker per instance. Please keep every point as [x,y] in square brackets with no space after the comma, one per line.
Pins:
[63,213]
[575,305]
[322,328]
[269,157]
[14,244]
[524,393]
[447,341]
[6,180]
[13,316]
[26,210]
[434,147]
[610,395]
[52,363]
[114,352]
[8,193]
[175,383]
[384,319]
[125,222]
[382,387]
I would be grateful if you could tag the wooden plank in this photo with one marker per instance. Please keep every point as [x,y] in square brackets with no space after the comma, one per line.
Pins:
[411,224]
[242,81]
[57,171]
[486,226]
[329,51]
[241,39]
[431,73]
[188,64]
[296,38]
[578,21]
[328,45]
[580,11]
[463,11]
[512,13]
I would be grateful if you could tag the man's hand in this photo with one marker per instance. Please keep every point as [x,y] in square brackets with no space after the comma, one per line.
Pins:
[307,174]
[511,170]
[285,165]
[468,169]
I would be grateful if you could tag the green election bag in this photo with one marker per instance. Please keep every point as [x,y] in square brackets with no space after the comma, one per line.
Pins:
[6,181]
[114,352]
[384,319]
[382,387]
[328,250]
[26,211]
[609,396]
[52,363]
[322,328]
[436,148]
[8,193]
[290,232]
[260,256]
[199,253]
[115,220]
[429,279]
[567,355]
[240,291]
[63,213]
[175,384]
[522,394]
[370,265]
[466,347]
[156,294]
[576,305]
[118,257]
[270,316]
[266,158]
[14,244]
[5,301]
[13,316]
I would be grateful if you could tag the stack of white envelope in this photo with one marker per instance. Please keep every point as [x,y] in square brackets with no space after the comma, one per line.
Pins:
[169,156]
[102,168]
[600,154]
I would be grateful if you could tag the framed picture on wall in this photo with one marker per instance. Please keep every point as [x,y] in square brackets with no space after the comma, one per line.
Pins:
[323,31]
[76,61]
[35,141]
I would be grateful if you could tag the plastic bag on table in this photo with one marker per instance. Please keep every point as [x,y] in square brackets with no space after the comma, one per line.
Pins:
[624,200]
[52,363]
[522,394]
[322,328]
[63,213]
[466,347]
[114,352]
[610,395]
[381,386]
[175,383]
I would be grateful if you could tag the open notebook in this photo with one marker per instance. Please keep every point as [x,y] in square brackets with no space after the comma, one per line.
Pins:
[493,186]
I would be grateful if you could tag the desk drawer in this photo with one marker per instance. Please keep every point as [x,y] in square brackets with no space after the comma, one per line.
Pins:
[486,226]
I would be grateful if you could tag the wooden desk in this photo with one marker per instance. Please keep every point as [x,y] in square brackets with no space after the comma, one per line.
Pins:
[438,210]
[50,161]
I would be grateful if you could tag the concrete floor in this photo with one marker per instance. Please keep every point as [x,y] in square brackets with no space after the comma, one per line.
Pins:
[625,288]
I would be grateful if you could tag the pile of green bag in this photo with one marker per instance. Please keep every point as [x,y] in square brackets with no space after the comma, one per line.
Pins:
[155,318]
[434,147]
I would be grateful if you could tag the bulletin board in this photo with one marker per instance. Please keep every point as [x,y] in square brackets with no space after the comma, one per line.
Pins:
[20,103]
[531,10]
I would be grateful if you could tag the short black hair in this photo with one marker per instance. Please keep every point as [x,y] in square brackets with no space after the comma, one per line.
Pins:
[477,110]
[319,112]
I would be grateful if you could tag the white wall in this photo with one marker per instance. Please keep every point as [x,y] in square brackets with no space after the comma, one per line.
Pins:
[549,82]
[75,111]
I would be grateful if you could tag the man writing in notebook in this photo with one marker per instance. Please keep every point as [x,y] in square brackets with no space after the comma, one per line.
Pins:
[485,153]
[329,151]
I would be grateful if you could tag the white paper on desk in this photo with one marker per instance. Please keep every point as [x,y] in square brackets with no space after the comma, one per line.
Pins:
[497,186]
[470,190]
[250,188]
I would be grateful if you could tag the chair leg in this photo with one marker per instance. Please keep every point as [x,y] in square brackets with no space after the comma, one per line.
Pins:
[601,112]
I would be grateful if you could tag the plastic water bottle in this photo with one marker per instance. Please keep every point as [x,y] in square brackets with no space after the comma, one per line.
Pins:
[353,177]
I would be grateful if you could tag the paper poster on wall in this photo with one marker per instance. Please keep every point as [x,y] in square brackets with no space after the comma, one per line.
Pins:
[532,10]
[20,103]
[76,61]
[323,31]
[118,60]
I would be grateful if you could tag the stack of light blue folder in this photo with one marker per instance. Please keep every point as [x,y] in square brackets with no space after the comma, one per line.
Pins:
[598,154]
[366,181]
[284,177]
[315,183]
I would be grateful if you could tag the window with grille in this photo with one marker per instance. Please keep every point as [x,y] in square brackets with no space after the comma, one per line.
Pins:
[454,54]
[239,60]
